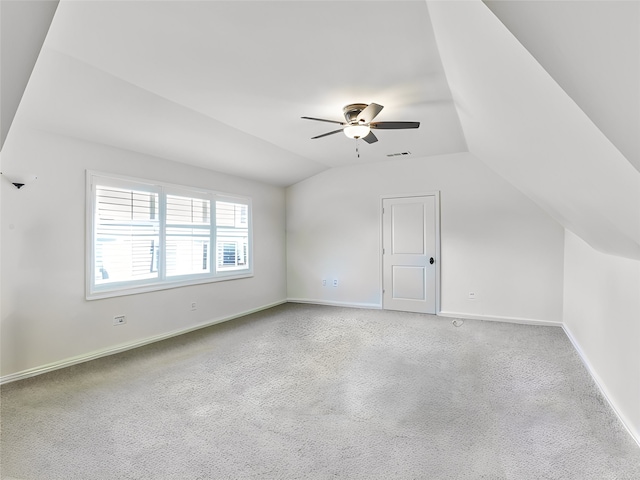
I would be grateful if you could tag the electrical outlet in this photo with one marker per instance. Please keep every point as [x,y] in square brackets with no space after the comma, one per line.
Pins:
[335,282]
[119,320]
[194,306]
[472,295]
[324,282]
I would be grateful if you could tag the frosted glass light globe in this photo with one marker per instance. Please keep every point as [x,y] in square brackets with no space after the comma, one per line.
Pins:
[357,131]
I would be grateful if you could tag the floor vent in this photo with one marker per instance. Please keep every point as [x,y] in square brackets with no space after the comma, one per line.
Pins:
[398,154]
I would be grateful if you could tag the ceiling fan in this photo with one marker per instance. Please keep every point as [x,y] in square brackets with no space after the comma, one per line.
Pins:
[359,122]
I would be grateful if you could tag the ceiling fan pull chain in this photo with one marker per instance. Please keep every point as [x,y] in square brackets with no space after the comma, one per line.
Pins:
[357,149]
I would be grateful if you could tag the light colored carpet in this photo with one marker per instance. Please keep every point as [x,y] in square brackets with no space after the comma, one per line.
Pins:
[304,391]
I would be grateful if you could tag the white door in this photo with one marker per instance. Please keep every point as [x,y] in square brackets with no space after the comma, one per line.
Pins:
[409,254]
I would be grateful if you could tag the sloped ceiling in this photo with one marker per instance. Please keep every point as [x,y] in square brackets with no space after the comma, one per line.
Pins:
[223,84]
[23,28]
[592,49]
[522,124]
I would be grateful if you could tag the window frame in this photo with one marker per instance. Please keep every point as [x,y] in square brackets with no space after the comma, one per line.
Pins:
[94,291]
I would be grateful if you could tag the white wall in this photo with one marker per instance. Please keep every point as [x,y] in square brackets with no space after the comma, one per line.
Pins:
[602,316]
[495,241]
[45,317]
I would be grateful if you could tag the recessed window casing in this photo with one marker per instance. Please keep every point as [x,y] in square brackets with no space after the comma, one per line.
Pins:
[145,235]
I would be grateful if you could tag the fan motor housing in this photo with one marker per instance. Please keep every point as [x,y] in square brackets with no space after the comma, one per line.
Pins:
[352,111]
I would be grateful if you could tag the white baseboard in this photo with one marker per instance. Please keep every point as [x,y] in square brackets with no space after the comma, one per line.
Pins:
[372,306]
[600,384]
[67,362]
[465,316]
[524,321]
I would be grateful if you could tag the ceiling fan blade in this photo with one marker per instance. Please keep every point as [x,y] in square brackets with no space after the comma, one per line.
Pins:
[394,125]
[325,134]
[369,113]
[323,120]
[370,138]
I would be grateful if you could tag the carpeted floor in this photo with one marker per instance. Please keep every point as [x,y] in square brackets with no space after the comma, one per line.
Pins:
[304,391]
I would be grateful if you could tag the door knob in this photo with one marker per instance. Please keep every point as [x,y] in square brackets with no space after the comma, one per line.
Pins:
[431,260]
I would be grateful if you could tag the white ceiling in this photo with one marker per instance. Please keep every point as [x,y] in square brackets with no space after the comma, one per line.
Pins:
[23,28]
[223,84]
[592,49]
[524,126]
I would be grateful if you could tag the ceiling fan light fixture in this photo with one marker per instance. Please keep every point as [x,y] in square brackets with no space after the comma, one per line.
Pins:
[359,122]
[356,131]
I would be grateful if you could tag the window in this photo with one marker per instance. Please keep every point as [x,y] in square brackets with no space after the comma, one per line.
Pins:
[188,235]
[232,233]
[147,236]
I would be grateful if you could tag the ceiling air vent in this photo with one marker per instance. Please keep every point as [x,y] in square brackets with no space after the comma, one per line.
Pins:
[398,154]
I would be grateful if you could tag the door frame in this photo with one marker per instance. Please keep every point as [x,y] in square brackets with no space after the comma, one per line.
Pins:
[436,195]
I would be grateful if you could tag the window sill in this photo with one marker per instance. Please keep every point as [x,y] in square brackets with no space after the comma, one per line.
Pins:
[119,291]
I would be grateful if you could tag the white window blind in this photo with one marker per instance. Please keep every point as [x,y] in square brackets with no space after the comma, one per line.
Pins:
[127,235]
[148,236]
[232,236]
[188,235]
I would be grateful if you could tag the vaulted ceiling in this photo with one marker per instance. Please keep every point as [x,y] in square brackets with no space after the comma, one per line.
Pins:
[223,85]
[520,122]
[546,93]
[592,50]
